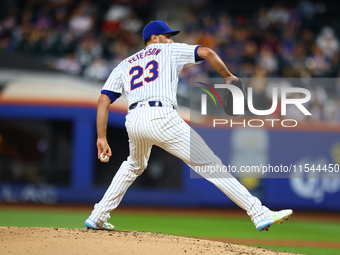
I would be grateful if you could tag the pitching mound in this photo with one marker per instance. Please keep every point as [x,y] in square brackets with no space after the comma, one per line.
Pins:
[20,240]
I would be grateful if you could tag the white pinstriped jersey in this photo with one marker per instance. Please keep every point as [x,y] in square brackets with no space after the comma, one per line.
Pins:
[152,73]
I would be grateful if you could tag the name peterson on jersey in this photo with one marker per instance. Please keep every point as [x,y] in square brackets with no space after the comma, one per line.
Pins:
[152,73]
[141,55]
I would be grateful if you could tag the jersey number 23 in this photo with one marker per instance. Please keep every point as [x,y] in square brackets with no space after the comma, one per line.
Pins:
[137,72]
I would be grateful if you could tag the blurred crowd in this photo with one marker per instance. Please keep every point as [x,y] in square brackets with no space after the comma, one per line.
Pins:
[279,40]
[275,45]
[81,37]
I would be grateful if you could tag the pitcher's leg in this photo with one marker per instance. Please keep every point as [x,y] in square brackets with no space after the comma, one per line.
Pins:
[187,145]
[125,176]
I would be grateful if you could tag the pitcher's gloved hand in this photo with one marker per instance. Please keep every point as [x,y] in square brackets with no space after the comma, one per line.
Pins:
[228,97]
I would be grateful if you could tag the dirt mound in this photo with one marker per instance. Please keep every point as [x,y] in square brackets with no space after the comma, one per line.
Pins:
[20,240]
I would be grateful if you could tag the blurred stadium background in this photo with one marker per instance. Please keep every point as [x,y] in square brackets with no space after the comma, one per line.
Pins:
[56,54]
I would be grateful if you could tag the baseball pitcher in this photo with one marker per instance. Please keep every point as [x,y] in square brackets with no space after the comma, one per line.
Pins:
[149,80]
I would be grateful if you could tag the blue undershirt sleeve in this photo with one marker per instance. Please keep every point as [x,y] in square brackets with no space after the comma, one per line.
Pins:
[112,95]
[197,58]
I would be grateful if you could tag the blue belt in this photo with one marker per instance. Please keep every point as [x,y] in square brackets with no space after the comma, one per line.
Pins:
[151,104]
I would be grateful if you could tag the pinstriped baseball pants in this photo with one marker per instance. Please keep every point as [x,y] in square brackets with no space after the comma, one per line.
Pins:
[162,126]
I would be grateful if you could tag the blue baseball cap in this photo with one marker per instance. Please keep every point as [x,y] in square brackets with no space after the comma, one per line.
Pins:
[157,27]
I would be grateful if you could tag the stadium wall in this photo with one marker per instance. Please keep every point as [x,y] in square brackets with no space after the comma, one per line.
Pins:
[301,190]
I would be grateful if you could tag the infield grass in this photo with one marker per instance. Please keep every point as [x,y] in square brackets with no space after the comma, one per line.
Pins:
[303,250]
[191,226]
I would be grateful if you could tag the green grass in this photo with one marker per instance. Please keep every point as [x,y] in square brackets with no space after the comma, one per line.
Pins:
[31,218]
[303,250]
[193,226]
[227,227]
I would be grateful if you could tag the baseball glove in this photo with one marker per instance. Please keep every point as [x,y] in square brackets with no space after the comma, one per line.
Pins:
[228,98]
